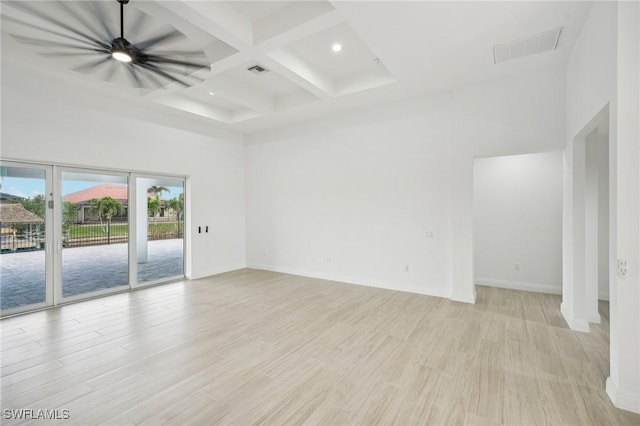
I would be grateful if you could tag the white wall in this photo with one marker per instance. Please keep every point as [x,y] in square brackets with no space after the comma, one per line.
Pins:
[353,201]
[623,385]
[518,222]
[603,216]
[602,75]
[591,94]
[42,122]
[353,198]
[591,70]
[492,119]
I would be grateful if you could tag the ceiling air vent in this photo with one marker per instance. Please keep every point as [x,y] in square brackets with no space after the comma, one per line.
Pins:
[257,69]
[527,46]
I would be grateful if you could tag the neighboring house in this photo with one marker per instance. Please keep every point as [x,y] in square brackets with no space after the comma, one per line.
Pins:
[83,199]
[19,228]
[10,197]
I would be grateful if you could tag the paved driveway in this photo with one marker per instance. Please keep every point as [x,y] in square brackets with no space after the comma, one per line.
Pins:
[84,269]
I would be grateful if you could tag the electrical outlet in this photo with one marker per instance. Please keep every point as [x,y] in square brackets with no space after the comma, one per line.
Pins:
[517,266]
[622,268]
[406,268]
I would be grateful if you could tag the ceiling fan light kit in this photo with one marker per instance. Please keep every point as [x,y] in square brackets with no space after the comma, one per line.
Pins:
[120,50]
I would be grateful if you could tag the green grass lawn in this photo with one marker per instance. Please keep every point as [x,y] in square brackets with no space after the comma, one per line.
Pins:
[79,231]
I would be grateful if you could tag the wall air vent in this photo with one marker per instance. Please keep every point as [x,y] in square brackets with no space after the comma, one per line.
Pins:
[257,69]
[527,46]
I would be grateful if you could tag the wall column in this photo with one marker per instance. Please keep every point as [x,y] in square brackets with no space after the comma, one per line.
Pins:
[623,384]
[142,216]
[591,226]
[573,235]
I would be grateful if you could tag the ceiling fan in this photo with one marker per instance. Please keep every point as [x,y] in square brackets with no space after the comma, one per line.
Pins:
[143,64]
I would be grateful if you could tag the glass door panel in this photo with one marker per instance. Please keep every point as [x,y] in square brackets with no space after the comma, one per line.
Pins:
[160,229]
[94,234]
[24,228]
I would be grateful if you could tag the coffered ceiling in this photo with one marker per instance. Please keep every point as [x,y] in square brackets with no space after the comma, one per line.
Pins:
[389,51]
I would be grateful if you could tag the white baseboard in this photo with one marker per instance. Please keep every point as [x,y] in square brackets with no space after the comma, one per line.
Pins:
[346,279]
[629,401]
[594,317]
[519,285]
[464,298]
[574,323]
[218,271]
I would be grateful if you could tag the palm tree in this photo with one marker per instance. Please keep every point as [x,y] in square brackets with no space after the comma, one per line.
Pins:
[156,191]
[177,205]
[106,208]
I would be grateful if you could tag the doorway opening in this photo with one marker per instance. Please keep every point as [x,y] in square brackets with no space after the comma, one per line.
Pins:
[587,226]
[517,222]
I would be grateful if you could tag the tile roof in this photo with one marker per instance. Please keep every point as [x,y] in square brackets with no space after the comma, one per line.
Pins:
[15,213]
[117,192]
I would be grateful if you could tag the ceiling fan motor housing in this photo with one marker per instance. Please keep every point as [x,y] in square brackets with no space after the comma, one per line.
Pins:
[121,45]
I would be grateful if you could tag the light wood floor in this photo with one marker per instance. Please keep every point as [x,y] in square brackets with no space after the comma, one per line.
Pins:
[253,347]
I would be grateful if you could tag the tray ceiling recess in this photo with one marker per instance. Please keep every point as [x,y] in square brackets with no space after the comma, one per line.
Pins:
[270,64]
[285,58]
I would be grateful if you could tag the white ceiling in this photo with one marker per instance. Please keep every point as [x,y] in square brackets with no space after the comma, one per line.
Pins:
[425,47]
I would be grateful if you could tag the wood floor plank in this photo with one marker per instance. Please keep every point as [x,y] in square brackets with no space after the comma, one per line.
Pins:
[258,347]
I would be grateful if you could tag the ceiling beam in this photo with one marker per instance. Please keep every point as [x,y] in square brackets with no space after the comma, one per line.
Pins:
[215,18]
[240,93]
[290,66]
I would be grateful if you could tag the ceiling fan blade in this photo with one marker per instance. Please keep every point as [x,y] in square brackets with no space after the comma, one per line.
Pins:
[152,77]
[171,35]
[49,43]
[40,14]
[113,66]
[159,71]
[186,64]
[138,24]
[67,54]
[92,65]
[81,19]
[133,74]
[186,53]
[37,27]
[98,12]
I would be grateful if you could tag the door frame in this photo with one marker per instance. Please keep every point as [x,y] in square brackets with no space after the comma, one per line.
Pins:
[53,232]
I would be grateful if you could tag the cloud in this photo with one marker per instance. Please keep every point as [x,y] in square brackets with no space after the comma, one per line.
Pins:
[15,191]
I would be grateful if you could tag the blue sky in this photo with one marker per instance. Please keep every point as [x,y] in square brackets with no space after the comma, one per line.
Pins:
[24,187]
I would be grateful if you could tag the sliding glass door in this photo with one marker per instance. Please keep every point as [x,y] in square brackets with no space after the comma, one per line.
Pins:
[94,233]
[69,233]
[25,237]
[160,229]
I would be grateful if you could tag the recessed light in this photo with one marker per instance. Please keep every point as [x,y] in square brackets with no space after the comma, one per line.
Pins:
[336,47]
[211,93]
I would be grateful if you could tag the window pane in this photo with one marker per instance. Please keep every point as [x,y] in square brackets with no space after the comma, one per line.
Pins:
[160,230]
[95,236]
[22,233]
